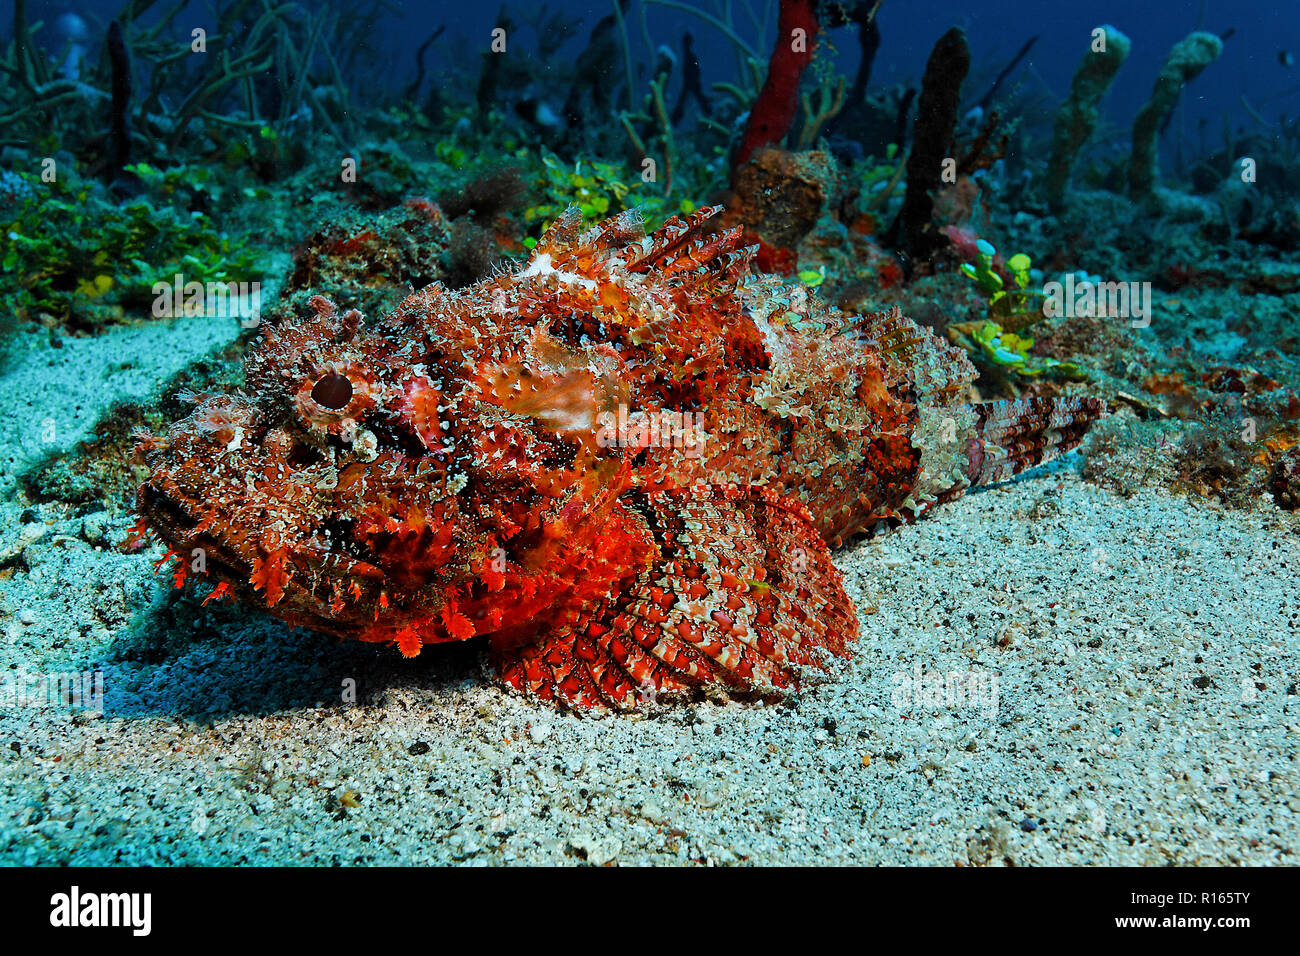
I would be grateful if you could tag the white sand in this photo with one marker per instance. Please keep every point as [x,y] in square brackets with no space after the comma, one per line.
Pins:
[51,398]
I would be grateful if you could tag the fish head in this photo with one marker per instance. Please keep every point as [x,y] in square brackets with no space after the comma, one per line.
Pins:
[403,481]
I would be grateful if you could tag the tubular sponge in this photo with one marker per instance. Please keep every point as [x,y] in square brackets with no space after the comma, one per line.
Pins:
[1078,114]
[1187,59]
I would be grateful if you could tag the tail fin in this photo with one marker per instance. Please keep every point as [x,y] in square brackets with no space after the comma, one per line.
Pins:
[1016,435]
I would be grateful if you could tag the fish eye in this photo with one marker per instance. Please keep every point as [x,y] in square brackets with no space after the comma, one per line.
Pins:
[332,391]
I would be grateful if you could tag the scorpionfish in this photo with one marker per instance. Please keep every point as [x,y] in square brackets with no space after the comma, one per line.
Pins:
[625,463]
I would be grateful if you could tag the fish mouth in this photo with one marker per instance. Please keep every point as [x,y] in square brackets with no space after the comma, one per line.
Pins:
[174,523]
[176,526]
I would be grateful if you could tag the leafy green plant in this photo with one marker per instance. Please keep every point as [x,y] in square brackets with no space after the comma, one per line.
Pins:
[877,179]
[85,260]
[599,190]
[1000,339]
[1008,351]
[1015,308]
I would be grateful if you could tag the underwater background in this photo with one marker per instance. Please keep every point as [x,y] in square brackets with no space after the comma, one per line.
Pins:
[1095,200]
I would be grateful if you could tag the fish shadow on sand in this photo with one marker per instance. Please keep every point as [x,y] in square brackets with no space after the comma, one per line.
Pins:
[204,664]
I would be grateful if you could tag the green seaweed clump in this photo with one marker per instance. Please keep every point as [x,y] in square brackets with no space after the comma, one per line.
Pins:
[1000,339]
[599,189]
[1008,351]
[1015,308]
[84,261]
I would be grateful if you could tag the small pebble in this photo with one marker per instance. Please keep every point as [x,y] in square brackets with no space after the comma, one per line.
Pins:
[94,527]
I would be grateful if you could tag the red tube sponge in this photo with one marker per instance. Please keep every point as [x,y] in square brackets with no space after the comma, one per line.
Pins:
[774,110]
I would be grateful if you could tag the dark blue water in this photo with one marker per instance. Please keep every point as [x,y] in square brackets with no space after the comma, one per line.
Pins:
[1251,65]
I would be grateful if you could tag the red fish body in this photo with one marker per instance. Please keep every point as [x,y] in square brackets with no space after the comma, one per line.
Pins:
[624,463]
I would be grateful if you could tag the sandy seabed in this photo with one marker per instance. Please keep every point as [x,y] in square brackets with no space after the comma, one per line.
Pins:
[1102,680]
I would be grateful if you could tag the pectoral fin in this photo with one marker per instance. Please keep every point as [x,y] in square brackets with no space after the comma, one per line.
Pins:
[739,591]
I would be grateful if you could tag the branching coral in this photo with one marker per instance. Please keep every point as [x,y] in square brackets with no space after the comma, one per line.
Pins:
[215,81]
[830,100]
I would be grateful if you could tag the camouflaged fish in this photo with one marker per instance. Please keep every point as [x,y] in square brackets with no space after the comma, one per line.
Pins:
[625,464]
